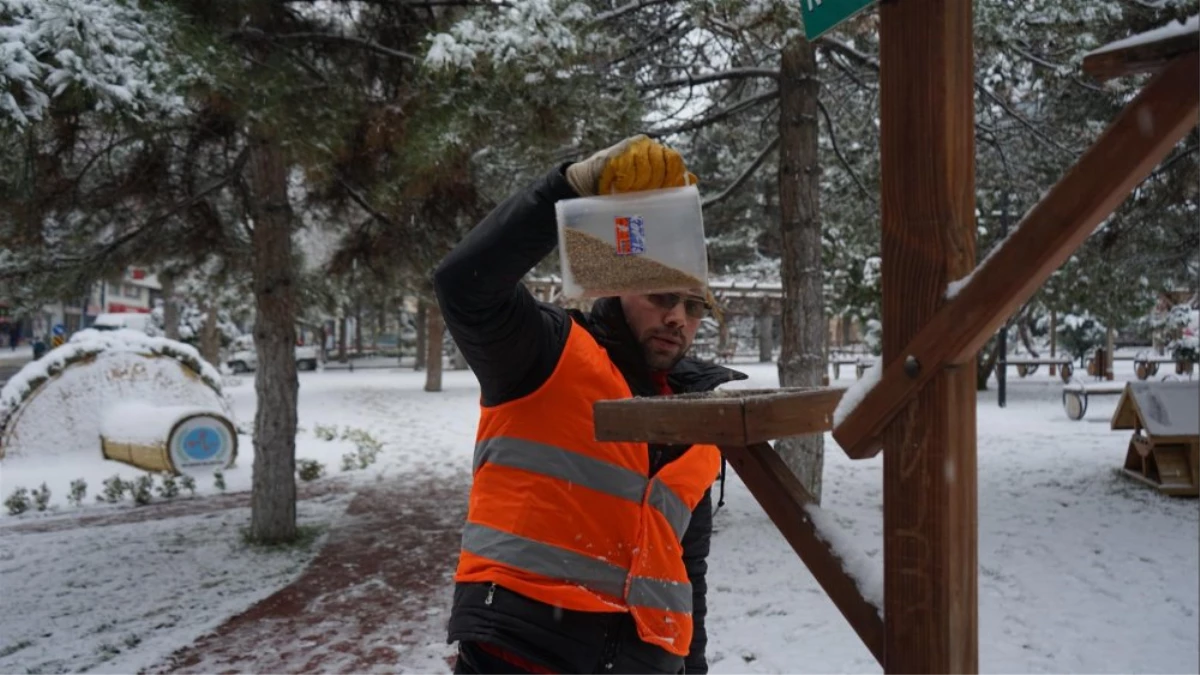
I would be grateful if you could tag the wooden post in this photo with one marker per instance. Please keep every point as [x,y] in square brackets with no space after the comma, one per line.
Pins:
[928,218]
[766,334]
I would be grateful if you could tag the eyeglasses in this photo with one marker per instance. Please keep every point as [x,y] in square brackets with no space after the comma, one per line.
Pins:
[694,307]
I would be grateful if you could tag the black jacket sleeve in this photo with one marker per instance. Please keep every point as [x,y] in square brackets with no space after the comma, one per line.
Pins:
[510,340]
[696,543]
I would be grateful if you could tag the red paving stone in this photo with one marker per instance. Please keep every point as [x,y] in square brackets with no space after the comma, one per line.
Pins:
[379,588]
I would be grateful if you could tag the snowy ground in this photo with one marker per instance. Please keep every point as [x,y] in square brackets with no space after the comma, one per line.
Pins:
[1080,570]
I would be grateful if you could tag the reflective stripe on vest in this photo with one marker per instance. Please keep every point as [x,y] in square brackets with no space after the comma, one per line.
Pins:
[588,472]
[559,563]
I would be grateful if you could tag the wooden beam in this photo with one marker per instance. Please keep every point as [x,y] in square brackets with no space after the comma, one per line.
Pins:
[927,151]
[737,417]
[783,499]
[1140,137]
[1146,57]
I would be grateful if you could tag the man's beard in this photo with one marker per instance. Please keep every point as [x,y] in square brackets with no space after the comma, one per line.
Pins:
[657,355]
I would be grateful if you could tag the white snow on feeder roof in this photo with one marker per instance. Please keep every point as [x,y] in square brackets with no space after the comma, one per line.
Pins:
[92,341]
[1166,32]
[1168,408]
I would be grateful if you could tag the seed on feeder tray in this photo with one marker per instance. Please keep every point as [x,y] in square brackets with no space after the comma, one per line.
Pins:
[598,269]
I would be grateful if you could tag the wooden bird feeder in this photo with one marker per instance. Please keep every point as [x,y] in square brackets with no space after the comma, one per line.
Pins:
[1165,449]
[922,408]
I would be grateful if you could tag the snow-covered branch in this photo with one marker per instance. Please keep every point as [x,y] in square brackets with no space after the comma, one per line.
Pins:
[709,120]
[731,74]
[112,51]
[348,39]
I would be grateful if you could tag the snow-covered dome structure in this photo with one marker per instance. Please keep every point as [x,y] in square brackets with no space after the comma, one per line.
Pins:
[122,386]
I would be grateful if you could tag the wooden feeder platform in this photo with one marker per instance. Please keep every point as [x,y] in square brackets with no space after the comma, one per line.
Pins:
[1164,451]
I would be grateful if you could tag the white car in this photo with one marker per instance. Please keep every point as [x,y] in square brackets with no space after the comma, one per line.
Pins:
[246,360]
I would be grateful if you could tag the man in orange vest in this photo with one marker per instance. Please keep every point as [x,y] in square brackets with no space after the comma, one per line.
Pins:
[577,556]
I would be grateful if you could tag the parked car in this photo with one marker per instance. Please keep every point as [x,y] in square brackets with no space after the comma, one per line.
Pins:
[246,360]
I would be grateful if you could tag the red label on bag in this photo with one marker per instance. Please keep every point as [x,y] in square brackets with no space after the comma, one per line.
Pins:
[630,235]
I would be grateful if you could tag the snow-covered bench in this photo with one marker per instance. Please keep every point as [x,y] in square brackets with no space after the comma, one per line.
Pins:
[1028,365]
[1146,364]
[174,439]
[860,363]
[1075,396]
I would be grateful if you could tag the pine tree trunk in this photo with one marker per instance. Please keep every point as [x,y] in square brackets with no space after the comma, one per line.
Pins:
[1026,339]
[210,337]
[341,335]
[358,337]
[170,306]
[422,334]
[802,355]
[766,346]
[985,362]
[1110,345]
[273,501]
[433,348]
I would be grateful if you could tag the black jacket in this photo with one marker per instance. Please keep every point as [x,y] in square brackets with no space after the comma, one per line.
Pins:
[513,342]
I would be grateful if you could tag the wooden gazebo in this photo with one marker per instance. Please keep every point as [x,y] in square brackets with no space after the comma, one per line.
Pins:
[921,406]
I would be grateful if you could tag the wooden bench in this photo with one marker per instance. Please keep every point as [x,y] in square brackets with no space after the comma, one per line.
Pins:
[1145,365]
[860,363]
[1076,394]
[1028,365]
[1164,451]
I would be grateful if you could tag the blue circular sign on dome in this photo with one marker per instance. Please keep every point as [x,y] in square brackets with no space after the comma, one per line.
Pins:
[202,443]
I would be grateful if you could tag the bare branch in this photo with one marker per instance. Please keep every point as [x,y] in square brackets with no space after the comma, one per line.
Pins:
[716,117]
[846,50]
[618,12]
[347,39]
[1024,122]
[366,205]
[744,176]
[1035,58]
[842,158]
[691,80]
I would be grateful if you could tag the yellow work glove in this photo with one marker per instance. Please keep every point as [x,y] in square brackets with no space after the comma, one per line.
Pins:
[634,164]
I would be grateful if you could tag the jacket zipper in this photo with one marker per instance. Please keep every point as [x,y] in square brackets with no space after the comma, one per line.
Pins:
[491,594]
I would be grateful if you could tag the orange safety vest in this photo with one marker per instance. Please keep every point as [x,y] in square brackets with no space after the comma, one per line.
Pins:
[567,520]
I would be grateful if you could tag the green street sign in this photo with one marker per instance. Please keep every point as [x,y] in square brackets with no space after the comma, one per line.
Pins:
[820,16]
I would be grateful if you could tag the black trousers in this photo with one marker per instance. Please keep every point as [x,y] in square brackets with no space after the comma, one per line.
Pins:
[472,659]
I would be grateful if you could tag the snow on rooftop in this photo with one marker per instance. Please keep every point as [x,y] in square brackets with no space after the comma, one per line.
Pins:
[79,391]
[92,342]
[1168,408]
[1170,30]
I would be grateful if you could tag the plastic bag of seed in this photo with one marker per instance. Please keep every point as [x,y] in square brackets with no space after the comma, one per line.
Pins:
[630,243]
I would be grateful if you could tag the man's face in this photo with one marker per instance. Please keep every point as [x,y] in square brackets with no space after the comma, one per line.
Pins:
[664,324]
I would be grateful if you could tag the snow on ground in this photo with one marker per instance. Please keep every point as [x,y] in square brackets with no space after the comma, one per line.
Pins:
[116,599]
[161,584]
[1080,570]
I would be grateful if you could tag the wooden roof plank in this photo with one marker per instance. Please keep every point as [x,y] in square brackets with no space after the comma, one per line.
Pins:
[1146,52]
[739,417]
